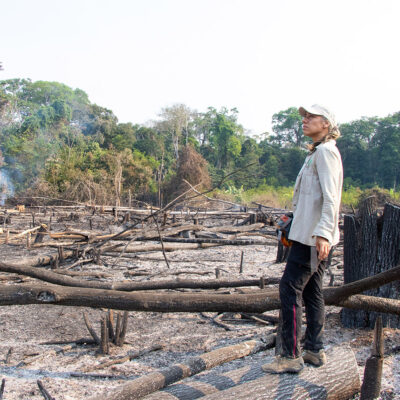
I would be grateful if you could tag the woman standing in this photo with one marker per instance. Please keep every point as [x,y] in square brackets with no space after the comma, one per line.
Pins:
[315,229]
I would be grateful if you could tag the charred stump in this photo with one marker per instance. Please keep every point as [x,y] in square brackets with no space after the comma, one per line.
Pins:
[371,386]
[371,246]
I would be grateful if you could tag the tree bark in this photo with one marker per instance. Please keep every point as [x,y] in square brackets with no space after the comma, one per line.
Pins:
[371,245]
[154,381]
[142,248]
[337,380]
[226,242]
[257,302]
[371,304]
[58,279]
[389,255]
[38,261]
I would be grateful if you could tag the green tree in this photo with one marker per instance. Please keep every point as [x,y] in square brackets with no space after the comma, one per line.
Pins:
[175,123]
[224,137]
[387,149]
[287,127]
[249,173]
[356,146]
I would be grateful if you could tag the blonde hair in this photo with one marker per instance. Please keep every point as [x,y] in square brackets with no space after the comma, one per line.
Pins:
[333,134]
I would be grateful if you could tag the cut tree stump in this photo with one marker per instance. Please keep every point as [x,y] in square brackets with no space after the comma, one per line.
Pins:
[337,380]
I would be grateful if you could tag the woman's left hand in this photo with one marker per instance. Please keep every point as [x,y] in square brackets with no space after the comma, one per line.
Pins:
[323,248]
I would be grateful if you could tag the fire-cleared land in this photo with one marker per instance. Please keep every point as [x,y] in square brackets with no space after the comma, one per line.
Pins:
[214,255]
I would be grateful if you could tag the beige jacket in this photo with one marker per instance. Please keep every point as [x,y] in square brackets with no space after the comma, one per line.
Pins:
[317,194]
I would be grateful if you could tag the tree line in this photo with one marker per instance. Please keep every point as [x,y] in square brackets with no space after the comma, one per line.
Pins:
[55,142]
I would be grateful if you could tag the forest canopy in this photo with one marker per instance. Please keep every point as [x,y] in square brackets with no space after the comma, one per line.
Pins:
[54,142]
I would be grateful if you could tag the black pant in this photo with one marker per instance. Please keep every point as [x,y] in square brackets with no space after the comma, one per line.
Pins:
[297,283]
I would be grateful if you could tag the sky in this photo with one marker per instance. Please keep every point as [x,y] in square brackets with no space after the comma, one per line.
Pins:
[136,57]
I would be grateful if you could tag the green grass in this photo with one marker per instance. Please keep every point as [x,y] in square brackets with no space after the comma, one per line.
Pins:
[281,196]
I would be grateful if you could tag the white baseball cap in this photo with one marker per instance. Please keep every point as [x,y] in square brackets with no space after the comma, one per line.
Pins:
[317,109]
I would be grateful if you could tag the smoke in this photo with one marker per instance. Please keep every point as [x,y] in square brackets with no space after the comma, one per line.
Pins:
[6,186]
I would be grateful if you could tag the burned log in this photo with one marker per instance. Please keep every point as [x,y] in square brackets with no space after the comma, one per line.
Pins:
[141,234]
[138,301]
[59,279]
[43,391]
[154,381]
[257,302]
[142,248]
[121,360]
[90,328]
[371,304]
[38,261]
[337,380]
[226,242]
[3,384]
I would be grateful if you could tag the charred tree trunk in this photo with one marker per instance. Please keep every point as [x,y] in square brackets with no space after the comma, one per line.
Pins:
[389,256]
[59,279]
[337,380]
[371,246]
[260,301]
[154,381]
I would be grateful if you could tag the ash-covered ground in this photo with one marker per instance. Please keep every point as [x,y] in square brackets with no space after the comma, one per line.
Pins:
[182,335]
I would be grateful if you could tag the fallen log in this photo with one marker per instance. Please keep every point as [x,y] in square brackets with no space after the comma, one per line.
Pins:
[59,279]
[35,358]
[43,391]
[154,381]
[137,301]
[141,234]
[337,380]
[81,341]
[95,274]
[257,302]
[372,282]
[121,360]
[235,229]
[226,242]
[37,261]
[19,235]
[3,383]
[371,303]
[143,248]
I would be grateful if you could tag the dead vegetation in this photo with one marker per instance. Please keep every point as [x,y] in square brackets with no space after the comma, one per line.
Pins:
[107,259]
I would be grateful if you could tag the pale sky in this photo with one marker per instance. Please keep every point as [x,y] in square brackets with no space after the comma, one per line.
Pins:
[261,56]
